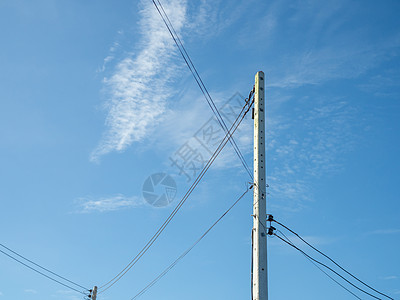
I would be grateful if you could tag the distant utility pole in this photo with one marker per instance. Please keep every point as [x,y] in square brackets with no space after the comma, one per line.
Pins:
[259,234]
[94,294]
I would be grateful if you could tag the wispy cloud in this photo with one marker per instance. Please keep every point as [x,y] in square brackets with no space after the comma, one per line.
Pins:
[386,231]
[315,66]
[306,137]
[392,277]
[139,86]
[30,291]
[323,51]
[106,204]
[306,144]
[209,19]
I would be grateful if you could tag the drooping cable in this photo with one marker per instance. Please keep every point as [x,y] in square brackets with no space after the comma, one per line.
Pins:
[222,144]
[322,270]
[162,274]
[323,254]
[43,274]
[324,265]
[43,268]
[199,81]
[197,180]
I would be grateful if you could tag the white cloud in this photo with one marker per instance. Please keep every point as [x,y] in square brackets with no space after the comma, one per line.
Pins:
[386,231]
[206,126]
[302,145]
[316,66]
[390,277]
[139,86]
[105,204]
[30,291]
[323,51]
[306,144]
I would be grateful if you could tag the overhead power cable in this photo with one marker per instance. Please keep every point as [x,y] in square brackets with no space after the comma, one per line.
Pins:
[163,273]
[322,270]
[339,266]
[41,273]
[222,144]
[324,265]
[199,81]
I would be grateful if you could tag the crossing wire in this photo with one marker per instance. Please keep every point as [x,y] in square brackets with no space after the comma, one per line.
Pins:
[320,252]
[163,273]
[333,279]
[324,265]
[43,268]
[43,274]
[222,144]
[199,81]
[179,205]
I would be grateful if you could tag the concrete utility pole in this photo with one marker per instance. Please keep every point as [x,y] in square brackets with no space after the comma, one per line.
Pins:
[94,295]
[260,282]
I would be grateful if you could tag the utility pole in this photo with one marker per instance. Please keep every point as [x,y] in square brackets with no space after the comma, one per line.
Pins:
[94,295]
[259,235]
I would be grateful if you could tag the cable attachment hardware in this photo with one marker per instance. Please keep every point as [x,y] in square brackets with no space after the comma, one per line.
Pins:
[270,218]
[248,100]
[92,294]
[271,230]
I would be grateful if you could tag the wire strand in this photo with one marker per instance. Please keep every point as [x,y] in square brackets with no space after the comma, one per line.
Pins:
[199,81]
[41,273]
[333,279]
[324,265]
[162,274]
[222,144]
[343,269]
[43,268]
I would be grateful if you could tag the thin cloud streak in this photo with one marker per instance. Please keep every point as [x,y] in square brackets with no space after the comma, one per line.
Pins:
[139,87]
[386,231]
[296,158]
[107,204]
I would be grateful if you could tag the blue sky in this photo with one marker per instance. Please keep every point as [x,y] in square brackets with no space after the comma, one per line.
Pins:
[95,98]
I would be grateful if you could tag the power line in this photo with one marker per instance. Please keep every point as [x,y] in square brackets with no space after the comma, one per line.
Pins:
[43,268]
[199,81]
[41,273]
[343,269]
[184,198]
[222,144]
[333,279]
[324,265]
[162,274]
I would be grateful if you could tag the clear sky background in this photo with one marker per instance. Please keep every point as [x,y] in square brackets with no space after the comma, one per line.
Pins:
[95,98]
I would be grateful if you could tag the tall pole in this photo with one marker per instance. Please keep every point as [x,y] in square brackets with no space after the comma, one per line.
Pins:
[259,282]
[94,295]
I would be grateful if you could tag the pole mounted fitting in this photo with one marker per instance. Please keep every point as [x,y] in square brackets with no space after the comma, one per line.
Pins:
[271,230]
